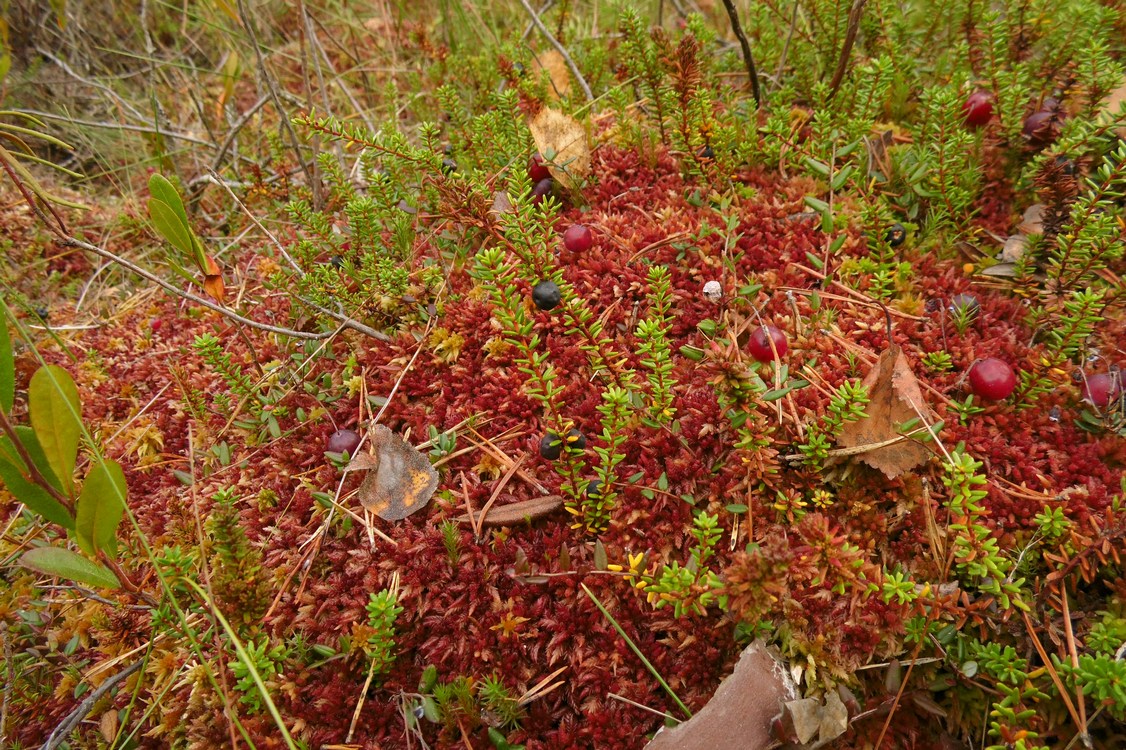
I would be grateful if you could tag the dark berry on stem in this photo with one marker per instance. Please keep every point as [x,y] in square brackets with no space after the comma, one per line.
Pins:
[546,295]
[537,169]
[594,488]
[759,345]
[896,235]
[1041,128]
[343,441]
[707,153]
[978,108]
[578,238]
[1099,390]
[449,166]
[541,190]
[966,302]
[551,446]
[992,379]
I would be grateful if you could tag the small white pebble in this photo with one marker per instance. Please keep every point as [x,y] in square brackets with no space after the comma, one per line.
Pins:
[713,291]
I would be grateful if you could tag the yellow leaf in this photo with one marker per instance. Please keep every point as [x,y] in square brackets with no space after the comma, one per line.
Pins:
[562,140]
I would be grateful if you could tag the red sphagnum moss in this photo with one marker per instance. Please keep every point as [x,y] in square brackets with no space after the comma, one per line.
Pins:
[477,615]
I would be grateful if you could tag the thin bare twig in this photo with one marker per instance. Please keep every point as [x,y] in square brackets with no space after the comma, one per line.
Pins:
[236,128]
[561,49]
[346,323]
[75,717]
[846,48]
[786,46]
[272,90]
[748,58]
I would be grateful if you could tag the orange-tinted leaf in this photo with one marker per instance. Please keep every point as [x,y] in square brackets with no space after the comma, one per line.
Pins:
[402,480]
[213,285]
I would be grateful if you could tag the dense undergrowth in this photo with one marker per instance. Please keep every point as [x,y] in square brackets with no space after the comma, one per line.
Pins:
[275,223]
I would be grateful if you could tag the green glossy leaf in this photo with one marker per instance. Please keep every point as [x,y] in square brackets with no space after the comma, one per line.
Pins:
[174,223]
[55,561]
[164,191]
[165,220]
[100,507]
[7,365]
[56,417]
[31,445]
[33,496]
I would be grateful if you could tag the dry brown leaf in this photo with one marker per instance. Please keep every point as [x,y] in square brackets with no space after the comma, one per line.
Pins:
[1033,220]
[400,480]
[562,139]
[738,716]
[525,510]
[1014,248]
[557,71]
[834,718]
[894,398]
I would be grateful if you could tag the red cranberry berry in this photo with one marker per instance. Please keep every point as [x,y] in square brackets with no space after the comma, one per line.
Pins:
[992,379]
[537,168]
[578,238]
[343,441]
[546,295]
[541,190]
[978,108]
[759,345]
[1101,389]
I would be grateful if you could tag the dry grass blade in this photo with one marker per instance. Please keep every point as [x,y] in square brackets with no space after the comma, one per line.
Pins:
[541,688]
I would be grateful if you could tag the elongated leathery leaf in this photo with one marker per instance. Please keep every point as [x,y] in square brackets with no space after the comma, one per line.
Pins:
[55,561]
[56,417]
[100,507]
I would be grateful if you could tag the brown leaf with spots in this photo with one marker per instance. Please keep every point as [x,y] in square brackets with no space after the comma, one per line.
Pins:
[562,140]
[894,398]
[399,481]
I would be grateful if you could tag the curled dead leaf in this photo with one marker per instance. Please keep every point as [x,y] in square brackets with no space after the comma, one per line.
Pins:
[739,715]
[894,398]
[213,280]
[563,139]
[1014,248]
